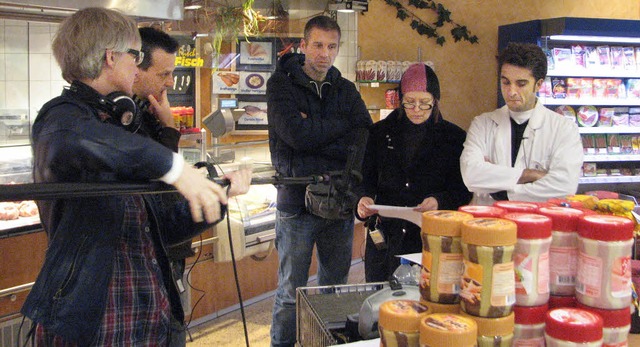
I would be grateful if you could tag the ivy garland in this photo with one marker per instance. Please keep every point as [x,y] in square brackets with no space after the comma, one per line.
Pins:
[459,32]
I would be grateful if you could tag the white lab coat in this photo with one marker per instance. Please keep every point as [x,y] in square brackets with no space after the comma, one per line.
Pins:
[550,142]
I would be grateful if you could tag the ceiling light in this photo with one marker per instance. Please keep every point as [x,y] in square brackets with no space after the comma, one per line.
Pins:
[585,38]
[349,6]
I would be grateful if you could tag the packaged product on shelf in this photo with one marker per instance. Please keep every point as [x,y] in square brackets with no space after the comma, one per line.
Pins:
[620,116]
[637,51]
[550,62]
[567,112]
[629,58]
[601,143]
[604,56]
[574,86]
[589,169]
[370,71]
[587,116]
[605,116]
[360,70]
[381,71]
[615,88]
[591,57]
[562,58]
[599,87]
[586,87]
[633,88]
[405,65]
[617,58]
[635,143]
[392,71]
[578,55]
[559,88]
[545,89]
[588,144]
[626,144]
[613,143]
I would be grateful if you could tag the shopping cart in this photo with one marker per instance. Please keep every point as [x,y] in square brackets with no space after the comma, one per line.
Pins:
[321,312]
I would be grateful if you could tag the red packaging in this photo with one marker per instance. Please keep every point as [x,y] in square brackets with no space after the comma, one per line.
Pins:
[391,98]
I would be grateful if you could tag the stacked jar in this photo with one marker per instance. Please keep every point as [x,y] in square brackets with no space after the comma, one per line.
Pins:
[531,258]
[567,327]
[447,330]
[615,325]
[563,253]
[517,206]
[482,211]
[529,325]
[603,283]
[494,332]
[399,323]
[488,284]
[441,258]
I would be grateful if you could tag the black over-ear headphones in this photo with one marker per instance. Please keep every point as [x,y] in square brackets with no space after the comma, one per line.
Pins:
[118,105]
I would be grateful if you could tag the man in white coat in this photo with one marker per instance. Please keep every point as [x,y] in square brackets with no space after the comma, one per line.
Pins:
[522,151]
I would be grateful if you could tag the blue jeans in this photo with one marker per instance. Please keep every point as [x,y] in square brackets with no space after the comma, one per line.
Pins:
[296,235]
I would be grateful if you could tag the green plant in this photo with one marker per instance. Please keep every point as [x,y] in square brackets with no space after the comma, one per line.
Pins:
[459,32]
[230,22]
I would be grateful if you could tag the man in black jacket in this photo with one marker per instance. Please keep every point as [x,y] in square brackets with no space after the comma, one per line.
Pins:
[313,112]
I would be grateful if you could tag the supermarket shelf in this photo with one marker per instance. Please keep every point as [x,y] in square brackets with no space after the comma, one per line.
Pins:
[604,158]
[376,84]
[591,101]
[609,179]
[609,130]
[578,72]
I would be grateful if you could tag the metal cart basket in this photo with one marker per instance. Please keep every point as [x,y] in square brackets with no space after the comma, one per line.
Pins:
[321,312]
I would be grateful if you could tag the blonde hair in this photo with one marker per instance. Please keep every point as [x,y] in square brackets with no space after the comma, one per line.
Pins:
[81,41]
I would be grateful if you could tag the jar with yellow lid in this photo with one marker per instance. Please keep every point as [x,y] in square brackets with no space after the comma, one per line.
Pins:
[494,332]
[399,323]
[441,255]
[488,281]
[448,330]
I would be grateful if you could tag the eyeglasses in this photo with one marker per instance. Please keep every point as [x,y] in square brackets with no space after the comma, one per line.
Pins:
[137,55]
[412,106]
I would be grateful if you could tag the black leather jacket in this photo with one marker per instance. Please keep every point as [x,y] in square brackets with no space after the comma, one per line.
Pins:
[71,143]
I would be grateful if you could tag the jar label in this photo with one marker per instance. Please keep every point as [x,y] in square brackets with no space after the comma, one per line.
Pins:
[450,272]
[564,260]
[590,270]
[471,283]
[535,342]
[543,274]
[503,291]
[621,277]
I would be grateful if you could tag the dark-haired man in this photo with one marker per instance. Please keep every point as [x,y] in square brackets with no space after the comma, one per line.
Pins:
[522,151]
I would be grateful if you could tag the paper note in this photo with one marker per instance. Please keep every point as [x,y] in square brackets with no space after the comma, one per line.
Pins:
[406,213]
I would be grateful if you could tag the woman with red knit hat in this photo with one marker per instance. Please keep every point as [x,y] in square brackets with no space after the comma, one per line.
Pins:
[412,159]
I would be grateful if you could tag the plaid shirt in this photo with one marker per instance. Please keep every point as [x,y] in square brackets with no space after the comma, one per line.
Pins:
[138,310]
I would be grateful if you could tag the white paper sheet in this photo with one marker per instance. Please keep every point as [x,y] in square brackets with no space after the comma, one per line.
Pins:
[406,213]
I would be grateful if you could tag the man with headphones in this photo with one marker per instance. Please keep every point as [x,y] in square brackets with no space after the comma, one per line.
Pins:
[154,77]
[106,278]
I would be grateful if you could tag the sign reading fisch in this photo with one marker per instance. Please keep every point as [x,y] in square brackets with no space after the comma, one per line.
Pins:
[186,57]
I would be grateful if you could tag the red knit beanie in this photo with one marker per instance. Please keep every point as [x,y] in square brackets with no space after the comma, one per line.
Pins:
[420,77]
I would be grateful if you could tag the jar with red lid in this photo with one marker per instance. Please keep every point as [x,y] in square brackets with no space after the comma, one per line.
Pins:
[531,258]
[517,206]
[529,325]
[604,261]
[616,325]
[557,301]
[483,211]
[570,327]
[563,253]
